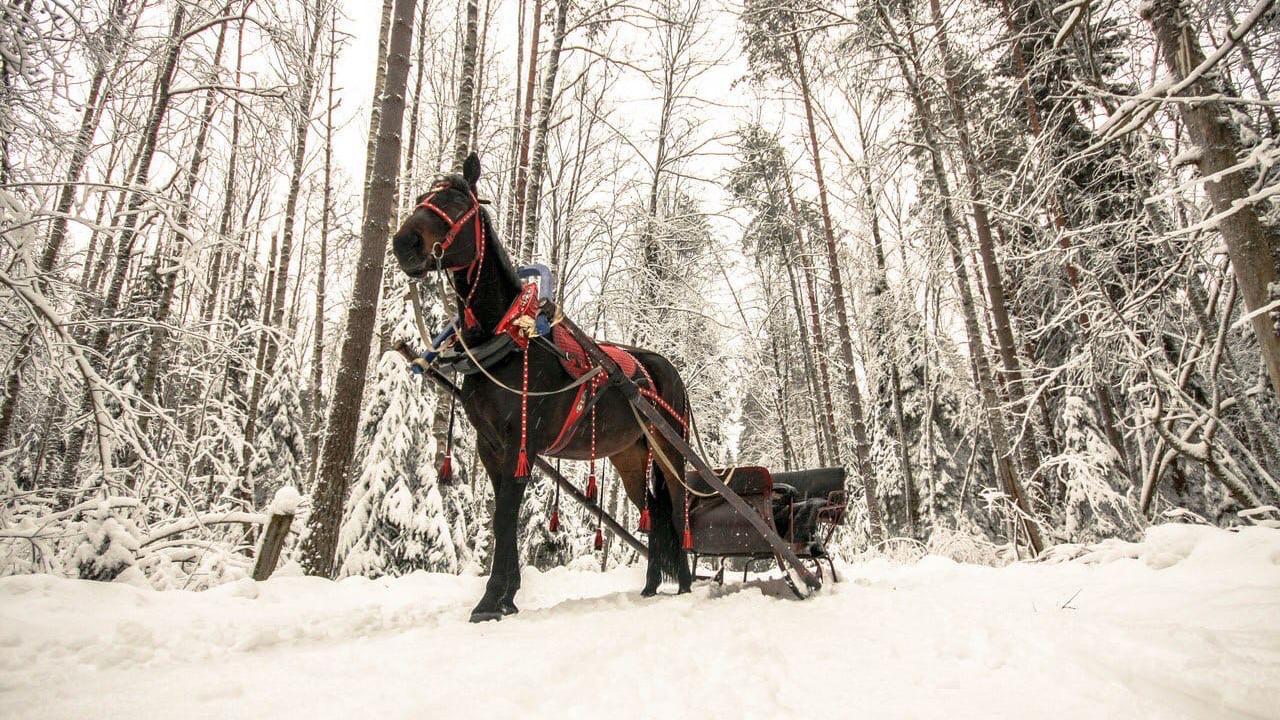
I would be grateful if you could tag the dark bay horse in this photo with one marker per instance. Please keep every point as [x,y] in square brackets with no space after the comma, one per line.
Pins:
[486,284]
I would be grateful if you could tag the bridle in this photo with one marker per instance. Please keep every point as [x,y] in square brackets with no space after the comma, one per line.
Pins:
[472,214]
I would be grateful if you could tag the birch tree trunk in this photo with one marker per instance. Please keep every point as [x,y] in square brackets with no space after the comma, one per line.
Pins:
[534,194]
[463,131]
[319,545]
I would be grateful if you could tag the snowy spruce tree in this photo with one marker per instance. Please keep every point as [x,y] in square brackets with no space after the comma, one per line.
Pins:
[395,520]
[279,452]
[1092,479]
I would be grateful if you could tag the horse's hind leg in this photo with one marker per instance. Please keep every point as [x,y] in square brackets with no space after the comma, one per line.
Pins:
[662,549]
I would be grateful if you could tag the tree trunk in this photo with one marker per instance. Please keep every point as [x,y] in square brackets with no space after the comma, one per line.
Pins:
[228,199]
[89,119]
[534,194]
[999,306]
[128,224]
[463,131]
[170,278]
[322,270]
[1253,247]
[821,429]
[526,127]
[243,491]
[517,103]
[269,346]
[375,107]
[861,446]
[821,380]
[411,150]
[320,544]
[881,339]
[301,125]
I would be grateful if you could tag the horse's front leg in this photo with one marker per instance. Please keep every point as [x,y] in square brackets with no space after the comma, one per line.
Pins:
[504,578]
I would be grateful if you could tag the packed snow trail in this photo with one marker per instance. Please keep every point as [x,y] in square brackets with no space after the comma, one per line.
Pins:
[1183,625]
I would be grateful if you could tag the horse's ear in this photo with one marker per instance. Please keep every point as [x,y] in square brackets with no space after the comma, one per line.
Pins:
[471,169]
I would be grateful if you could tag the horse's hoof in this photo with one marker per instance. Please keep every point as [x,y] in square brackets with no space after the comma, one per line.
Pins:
[684,590]
[648,592]
[509,608]
[480,616]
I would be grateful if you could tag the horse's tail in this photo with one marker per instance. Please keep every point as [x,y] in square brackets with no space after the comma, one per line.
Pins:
[664,539]
[664,545]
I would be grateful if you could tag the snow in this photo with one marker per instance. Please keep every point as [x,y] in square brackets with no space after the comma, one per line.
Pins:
[285,502]
[1184,624]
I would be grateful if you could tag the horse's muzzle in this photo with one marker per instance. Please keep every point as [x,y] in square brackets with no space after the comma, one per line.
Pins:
[413,261]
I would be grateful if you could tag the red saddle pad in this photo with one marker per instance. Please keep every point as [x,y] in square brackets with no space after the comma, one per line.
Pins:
[578,364]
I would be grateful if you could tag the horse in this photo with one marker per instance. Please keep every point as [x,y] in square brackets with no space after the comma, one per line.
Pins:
[449,232]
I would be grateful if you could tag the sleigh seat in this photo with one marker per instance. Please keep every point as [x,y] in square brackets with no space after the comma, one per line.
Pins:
[802,506]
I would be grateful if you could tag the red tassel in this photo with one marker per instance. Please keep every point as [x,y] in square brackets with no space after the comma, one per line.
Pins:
[522,466]
[469,319]
[688,532]
[645,521]
[599,539]
[445,474]
[592,490]
[554,524]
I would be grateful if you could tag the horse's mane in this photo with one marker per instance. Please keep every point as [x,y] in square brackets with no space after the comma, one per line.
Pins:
[503,260]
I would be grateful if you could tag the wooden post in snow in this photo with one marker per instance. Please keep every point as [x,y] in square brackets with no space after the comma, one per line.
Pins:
[281,511]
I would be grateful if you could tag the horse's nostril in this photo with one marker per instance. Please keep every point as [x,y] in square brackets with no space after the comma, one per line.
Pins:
[406,246]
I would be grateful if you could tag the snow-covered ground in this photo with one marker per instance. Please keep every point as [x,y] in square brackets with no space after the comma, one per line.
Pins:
[1183,625]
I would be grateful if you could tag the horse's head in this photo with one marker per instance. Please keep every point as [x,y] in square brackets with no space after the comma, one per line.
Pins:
[442,230]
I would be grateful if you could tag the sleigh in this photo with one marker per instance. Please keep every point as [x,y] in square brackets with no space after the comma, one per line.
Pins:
[803,508]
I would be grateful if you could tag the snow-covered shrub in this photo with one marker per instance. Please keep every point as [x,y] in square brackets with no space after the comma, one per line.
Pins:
[109,547]
[963,547]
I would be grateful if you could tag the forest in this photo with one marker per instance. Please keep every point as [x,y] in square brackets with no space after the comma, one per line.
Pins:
[1014,264]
